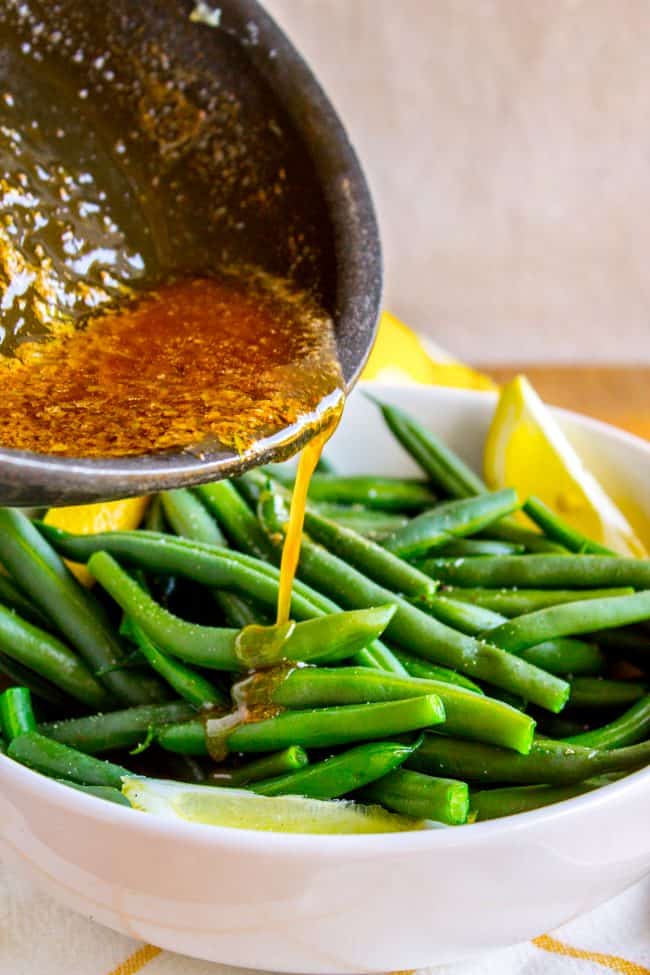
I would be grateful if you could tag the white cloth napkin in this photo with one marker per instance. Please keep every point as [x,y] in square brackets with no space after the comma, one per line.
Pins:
[38,937]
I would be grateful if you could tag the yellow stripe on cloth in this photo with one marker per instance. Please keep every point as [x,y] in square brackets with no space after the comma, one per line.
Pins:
[136,962]
[613,962]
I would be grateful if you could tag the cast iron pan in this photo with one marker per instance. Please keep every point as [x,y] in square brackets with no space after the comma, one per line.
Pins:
[234,154]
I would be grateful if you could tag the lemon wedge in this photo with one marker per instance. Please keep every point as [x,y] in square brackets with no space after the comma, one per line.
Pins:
[88,519]
[241,809]
[399,356]
[527,450]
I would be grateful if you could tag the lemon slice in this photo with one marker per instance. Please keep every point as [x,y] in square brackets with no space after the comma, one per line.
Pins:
[527,450]
[399,356]
[87,519]
[240,809]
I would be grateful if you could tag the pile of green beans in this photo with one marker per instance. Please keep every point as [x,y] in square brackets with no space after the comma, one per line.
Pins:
[431,629]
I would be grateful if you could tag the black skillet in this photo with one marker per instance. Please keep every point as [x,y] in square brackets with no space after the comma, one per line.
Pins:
[211,106]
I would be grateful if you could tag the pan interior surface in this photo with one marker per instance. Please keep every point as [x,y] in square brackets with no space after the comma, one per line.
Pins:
[138,142]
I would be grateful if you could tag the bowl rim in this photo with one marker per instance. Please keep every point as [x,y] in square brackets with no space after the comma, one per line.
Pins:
[359,280]
[324,845]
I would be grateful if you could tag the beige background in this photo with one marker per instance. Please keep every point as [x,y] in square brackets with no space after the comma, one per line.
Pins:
[508,146]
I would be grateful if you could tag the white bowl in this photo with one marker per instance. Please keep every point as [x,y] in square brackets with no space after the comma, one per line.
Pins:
[347,904]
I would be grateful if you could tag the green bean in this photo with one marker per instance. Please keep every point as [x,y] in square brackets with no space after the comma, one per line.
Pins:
[561,656]
[596,692]
[365,521]
[107,792]
[154,519]
[239,612]
[465,617]
[50,658]
[477,547]
[417,667]
[382,493]
[16,713]
[327,727]
[448,472]
[251,484]
[325,466]
[335,777]
[186,738]
[630,727]
[541,571]
[25,677]
[235,518]
[566,656]
[516,602]
[188,684]
[379,657]
[381,565]
[189,518]
[328,638]
[37,568]
[421,796]
[443,467]
[438,525]
[321,728]
[13,598]
[496,803]
[548,762]
[114,730]
[417,631]
[467,714]
[509,530]
[560,531]
[269,766]
[61,762]
[570,618]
